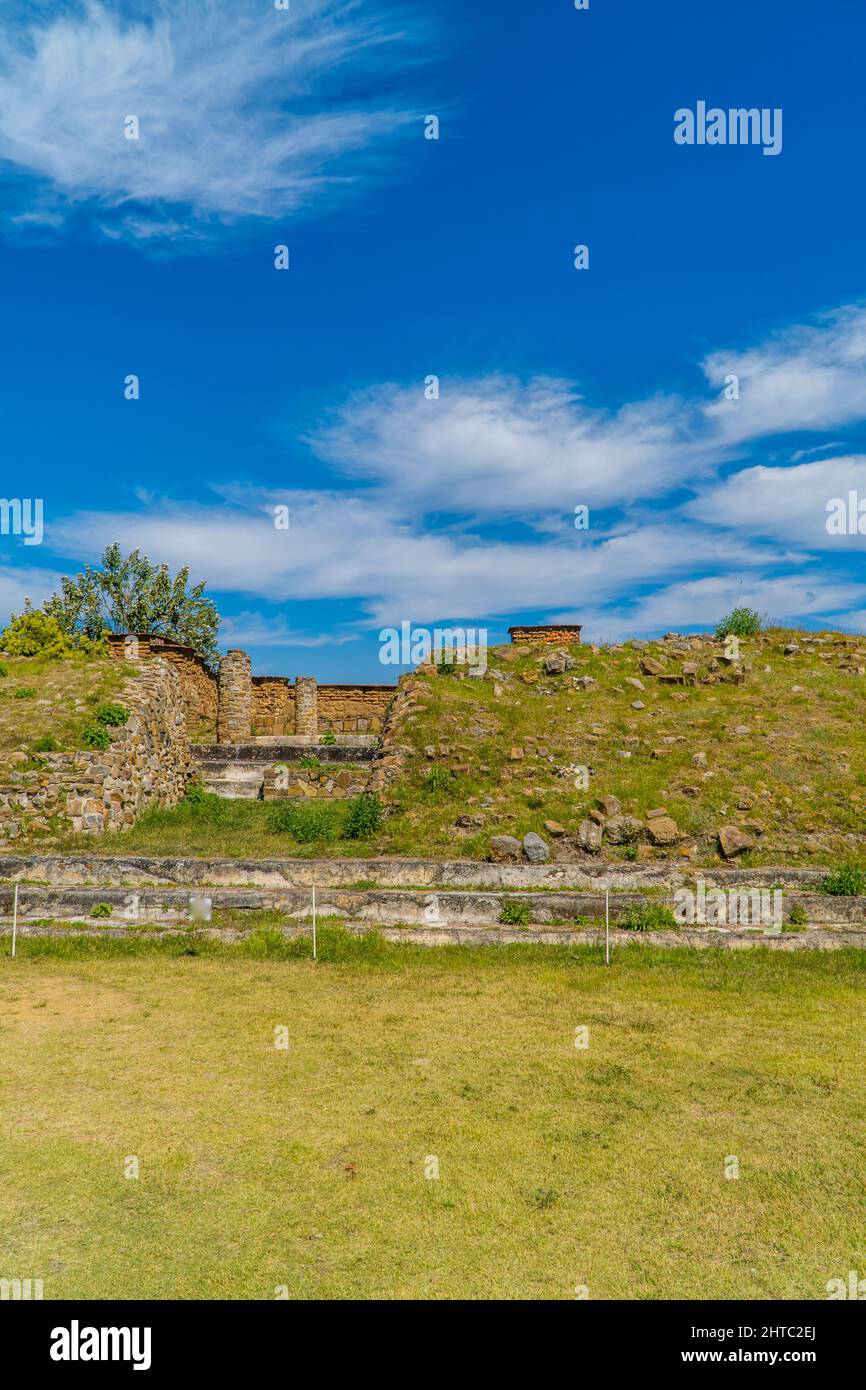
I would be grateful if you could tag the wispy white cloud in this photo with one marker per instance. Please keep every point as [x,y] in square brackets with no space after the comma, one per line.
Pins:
[703,602]
[788,505]
[502,446]
[245,111]
[807,377]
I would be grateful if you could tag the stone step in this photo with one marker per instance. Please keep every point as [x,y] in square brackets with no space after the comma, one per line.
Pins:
[277,752]
[281,872]
[819,940]
[386,907]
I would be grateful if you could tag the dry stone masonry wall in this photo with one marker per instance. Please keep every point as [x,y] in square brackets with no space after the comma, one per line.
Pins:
[96,790]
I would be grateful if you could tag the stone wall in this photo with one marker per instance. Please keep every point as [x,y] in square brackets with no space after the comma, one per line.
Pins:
[198,682]
[273,705]
[354,709]
[563,635]
[288,780]
[147,763]
[238,704]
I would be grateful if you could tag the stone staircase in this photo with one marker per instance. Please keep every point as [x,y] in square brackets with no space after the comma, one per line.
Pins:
[272,768]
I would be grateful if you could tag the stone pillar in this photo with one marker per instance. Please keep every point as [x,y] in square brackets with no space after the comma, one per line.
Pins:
[307,706]
[235,698]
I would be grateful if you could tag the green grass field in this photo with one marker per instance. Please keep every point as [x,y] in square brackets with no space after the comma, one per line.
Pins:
[262,1168]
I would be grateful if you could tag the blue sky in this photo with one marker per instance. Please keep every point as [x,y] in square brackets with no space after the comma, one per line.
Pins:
[454,257]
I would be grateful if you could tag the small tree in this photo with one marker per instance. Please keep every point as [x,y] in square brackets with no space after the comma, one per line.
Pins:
[133,595]
[740,622]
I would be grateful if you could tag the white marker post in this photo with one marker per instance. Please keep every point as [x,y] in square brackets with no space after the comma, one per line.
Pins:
[314,921]
[14,919]
[607,926]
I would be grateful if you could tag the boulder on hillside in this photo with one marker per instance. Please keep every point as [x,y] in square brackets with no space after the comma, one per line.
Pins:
[623,830]
[589,835]
[536,850]
[611,805]
[558,663]
[650,666]
[734,841]
[505,847]
[663,830]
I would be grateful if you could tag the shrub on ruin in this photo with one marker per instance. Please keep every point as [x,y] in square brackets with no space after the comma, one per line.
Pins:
[740,622]
[514,915]
[306,820]
[439,779]
[364,817]
[96,736]
[25,692]
[112,715]
[847,882]
[649,917]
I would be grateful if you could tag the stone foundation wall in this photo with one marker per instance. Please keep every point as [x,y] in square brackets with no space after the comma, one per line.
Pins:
[354,709]
[272,709]
[147,763]
[237,703]
[289,781]
[562,636]
[198,682]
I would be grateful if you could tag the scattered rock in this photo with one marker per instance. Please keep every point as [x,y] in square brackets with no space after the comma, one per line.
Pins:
[633,681]
[472,822]
[505,847]
[663,831]
[623,830]
[516,755]
[610,805]
[558,663]
[554,828]
[650,666]
[733,841]
[536,850]
[589,836]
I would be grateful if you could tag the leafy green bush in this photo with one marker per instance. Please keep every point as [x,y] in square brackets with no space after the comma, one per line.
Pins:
[514,915]
[112,715]
[798,916]
[328,739]
[847,882]
[204,805]
[4,669]
[195,794]
[364,817]
[33,633]
[101,910]
[439,779]
[649,917]
[740,622]
[25,692]
[46,744]
[446,668]
[306,820]
[96,736]
[312,763]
